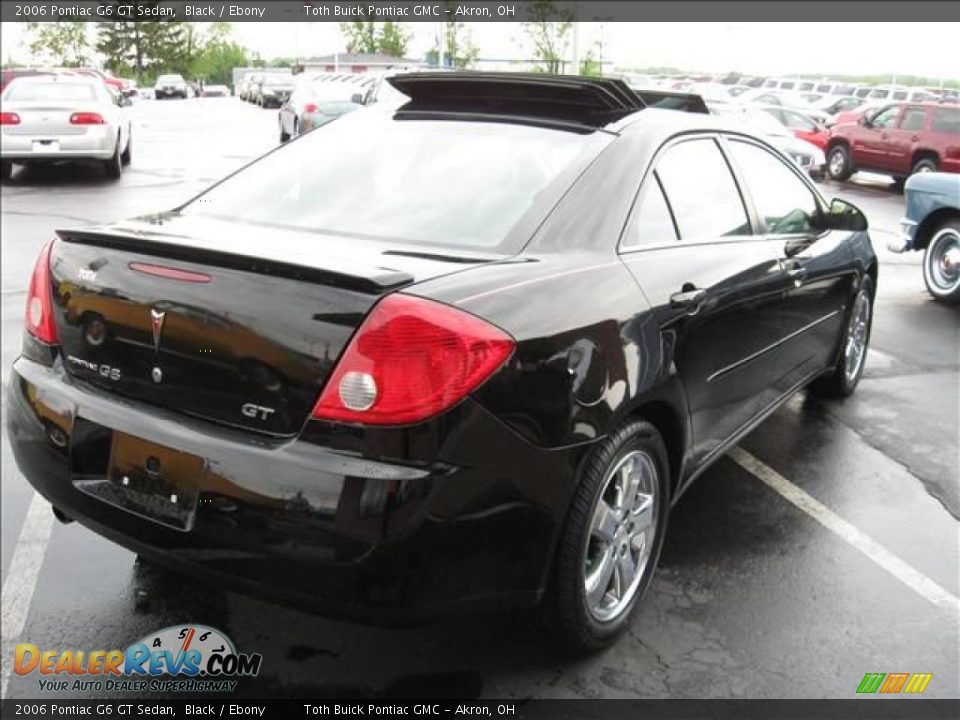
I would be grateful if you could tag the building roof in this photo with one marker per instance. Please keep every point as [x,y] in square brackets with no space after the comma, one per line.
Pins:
[348,58]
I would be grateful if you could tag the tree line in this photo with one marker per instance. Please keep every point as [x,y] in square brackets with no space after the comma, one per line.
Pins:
[206,51]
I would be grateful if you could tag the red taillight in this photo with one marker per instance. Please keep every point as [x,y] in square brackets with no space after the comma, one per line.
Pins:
[40,322]
[87,118]
[410,360]
[309,108]
[9,119]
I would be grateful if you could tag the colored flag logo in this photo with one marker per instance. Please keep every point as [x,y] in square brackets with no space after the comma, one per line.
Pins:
[894,683]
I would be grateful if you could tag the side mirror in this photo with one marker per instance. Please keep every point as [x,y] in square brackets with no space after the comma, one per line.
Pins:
[357,99]
[844,216]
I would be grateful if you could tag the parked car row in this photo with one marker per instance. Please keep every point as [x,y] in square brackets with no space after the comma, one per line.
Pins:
[318,99]
[123,86]
[266,89]
[815,89]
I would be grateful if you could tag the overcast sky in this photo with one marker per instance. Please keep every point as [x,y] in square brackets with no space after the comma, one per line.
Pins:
[759,48]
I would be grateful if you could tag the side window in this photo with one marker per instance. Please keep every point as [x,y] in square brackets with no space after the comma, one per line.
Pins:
[701,191]
[785,203]
[913,119]
[886,117]
[652,222]
[946,120]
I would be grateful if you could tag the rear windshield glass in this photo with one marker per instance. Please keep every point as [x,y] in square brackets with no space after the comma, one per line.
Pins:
[170,79]
[60,92]
[461,184]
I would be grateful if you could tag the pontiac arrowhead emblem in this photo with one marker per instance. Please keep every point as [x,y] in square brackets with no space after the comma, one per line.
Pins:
[156,325]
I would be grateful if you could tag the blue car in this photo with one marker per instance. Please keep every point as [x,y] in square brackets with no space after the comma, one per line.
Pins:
[932,224]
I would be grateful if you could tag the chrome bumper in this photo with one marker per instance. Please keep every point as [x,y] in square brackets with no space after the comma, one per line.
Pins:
[904,240]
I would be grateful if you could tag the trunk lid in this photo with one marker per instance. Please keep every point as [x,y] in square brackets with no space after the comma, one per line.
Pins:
[221,320]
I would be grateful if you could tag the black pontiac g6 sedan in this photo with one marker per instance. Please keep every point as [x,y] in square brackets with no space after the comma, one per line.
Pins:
[461,353]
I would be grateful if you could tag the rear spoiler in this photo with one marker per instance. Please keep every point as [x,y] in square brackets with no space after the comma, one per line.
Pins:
[670,100]
[354,277]
[585,101]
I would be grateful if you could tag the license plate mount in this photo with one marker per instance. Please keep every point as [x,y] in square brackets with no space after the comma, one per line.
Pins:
[154,481]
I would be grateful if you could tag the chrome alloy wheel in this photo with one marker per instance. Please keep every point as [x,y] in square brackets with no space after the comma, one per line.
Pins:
[942,262]
[837,163]
[622,530]
[857,331]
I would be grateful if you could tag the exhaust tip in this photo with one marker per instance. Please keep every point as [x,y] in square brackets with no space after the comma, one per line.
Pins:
[62,516]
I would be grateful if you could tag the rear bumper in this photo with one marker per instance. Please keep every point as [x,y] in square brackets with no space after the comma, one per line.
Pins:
[346,522]
[97,143]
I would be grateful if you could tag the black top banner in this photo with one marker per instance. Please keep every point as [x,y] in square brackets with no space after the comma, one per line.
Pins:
[474,11]
[886,709]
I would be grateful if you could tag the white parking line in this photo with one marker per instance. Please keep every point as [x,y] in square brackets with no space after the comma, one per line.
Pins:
[907,574]
[21,579]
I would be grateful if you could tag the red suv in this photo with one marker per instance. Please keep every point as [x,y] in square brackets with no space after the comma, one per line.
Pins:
[899,139]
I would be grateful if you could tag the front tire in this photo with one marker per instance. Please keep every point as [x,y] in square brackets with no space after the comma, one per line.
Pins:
[6,169]
[839,165]
[941,263]
[924,165]
[846,374]
[612,538]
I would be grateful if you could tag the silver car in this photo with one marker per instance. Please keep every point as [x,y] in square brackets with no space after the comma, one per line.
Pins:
[170,86]
[56,118]
[317,100]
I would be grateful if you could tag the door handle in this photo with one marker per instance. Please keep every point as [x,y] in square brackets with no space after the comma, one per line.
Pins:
[688,299]
[794,270]
[914,138]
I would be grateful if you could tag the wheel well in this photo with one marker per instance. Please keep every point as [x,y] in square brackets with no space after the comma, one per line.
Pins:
[872,271]
[837,141]
[919,155]
[667,420]
[924,231]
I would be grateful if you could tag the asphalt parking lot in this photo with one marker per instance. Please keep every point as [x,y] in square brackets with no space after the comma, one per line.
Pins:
[760,593]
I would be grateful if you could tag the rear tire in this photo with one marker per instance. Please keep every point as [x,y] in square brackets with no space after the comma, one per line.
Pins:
[846,373]
[617,522]
[941,266]
[114,166]
[128,151]
[839,166]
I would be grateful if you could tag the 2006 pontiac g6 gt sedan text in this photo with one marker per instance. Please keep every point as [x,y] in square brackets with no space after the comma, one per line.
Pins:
[465,352]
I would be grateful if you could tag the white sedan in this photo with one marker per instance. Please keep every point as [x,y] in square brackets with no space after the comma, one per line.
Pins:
[51,118]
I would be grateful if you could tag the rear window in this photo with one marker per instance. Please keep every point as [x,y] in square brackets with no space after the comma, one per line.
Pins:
[946,120]
[55,91]
[461,184]
[170,79]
